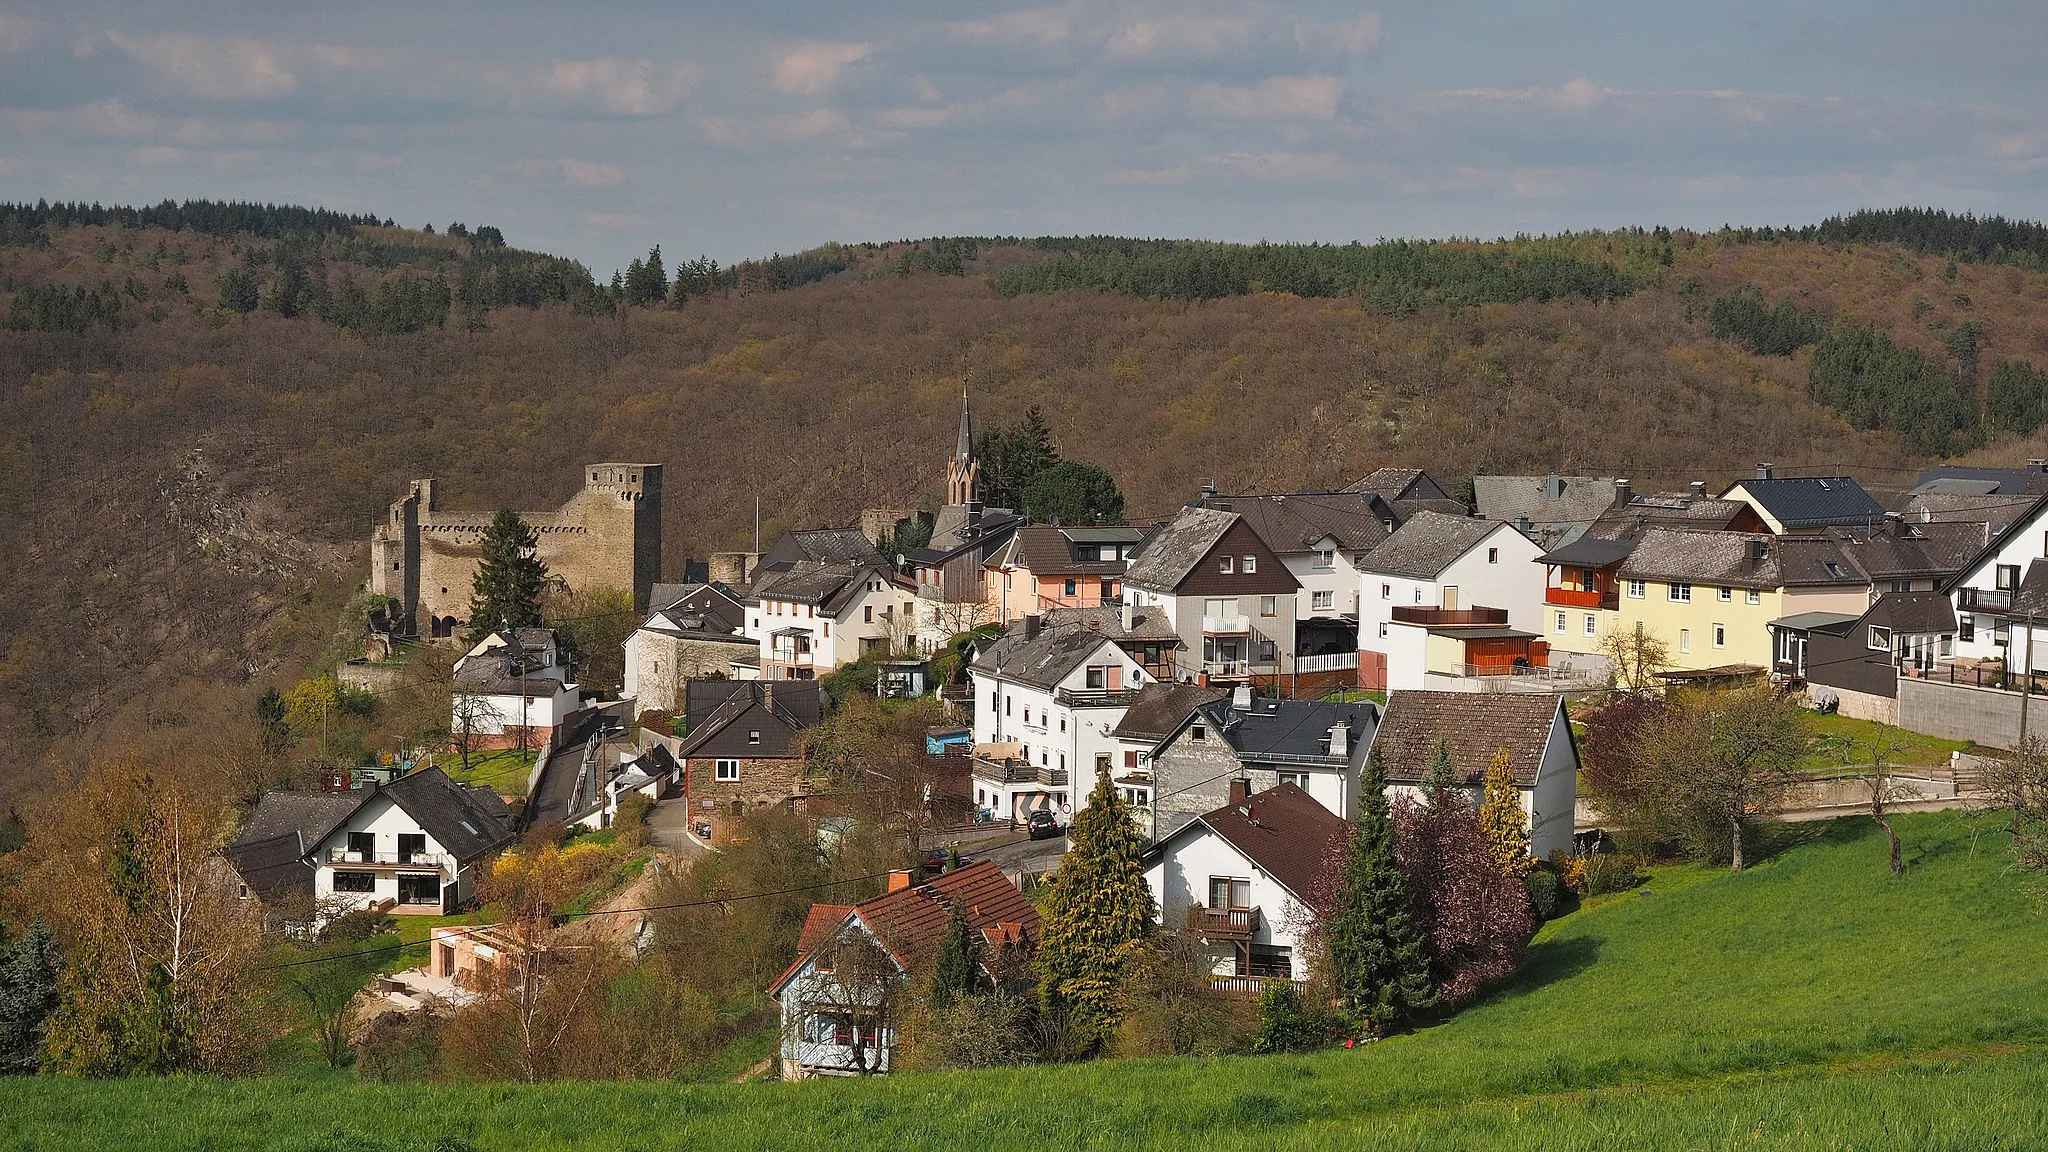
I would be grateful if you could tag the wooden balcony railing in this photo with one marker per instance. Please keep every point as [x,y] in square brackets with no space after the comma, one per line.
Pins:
[1222,923]
[1574,598]
[1243,985]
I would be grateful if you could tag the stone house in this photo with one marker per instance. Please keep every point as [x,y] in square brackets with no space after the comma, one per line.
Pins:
[700,632]
[1315,745]
[741,751]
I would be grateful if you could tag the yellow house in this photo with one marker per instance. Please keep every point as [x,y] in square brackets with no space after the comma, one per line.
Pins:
[1710,596]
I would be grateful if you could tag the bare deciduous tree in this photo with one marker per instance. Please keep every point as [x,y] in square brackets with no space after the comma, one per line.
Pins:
[1881,784]
[1727,759]
[1638,655]
[856,989]
[474,717]
[2018,782]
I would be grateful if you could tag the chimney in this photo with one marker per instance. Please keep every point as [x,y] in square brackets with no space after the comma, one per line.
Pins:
[1033,624]
[1699,489]
[1523,524]
[1340,738]
[899,879]
[1894,521]
[1240,790]
[1553,487]
[1766,471]
[1241,698]
[767,693]
[1623,490]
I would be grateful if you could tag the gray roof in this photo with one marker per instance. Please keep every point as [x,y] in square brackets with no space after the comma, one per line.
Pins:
[1176,548]
[312,815]
[1813,501]
[1590,552]
[2031,599]
[1289,728]
[828,586]
[1160,708]
[1907,549]
[1399,484]
[1808,621]
[1688,556]
[1985,481]
[1920,613]
[1297,521]
[1044,660]
[1427,544]
[273,867]
[1645,510]
[1476,725]
[1559,508]
[466,821]
[834,545]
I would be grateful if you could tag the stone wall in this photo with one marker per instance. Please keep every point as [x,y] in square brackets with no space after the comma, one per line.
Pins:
[762,783]
[1197,775]
[662,664]
[607,536]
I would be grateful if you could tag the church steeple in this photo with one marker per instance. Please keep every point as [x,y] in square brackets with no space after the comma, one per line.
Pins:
[963,472]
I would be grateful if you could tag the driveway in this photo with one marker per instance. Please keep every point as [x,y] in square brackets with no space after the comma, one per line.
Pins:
[667,828]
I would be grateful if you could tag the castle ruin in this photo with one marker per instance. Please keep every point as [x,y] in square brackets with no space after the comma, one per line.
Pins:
[607,536]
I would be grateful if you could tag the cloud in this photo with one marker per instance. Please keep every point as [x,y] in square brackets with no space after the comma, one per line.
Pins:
[115,119]
[1270,167]
[16,32]
[624,87]
[233,69]
[573,173]
[1182,37]
[1577,95]
[1033,25]
[157,156]
[813,67]
[1280,98]
[1354,37]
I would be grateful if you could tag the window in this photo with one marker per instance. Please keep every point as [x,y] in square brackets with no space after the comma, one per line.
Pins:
[754,736]
[1298,779]
[726,771]
[1680,592]
[411,845]
[1724,594]
[1101,762]
[355,881]
[1251,565]
[1589,624]
[1493,555]
[1636,589]
[1720,636]
[1386,591]
[1880,639]
[1198,732]
[1275,960]
[1560,621]
[1753,596]
[1226,566]
[1229,892]
[1322,601]
[362,845]
[1269,605]
[1006,705]
[1098,677]
[867,614]
[1902,585]
[1966,629]
[1326,559]
[1073,586]
[1383,629]
[1685,639]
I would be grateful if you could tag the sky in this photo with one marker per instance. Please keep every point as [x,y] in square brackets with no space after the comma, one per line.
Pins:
[595,130]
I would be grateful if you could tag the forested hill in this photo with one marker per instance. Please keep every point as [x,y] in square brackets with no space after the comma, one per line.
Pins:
[204,407]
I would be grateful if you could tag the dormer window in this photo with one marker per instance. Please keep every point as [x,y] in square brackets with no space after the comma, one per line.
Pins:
[1198,732]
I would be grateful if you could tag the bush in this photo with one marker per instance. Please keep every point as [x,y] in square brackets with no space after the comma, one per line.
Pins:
[1611,872]
[1288,1023]
[399,1046]
[355,926]
[1570,869]
[1546,892]
[631,822]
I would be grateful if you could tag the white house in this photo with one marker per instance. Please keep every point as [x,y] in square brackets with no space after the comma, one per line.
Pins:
[1238,881]
[419,842]
[1048,696]
[695,630]
[1322,538]
[1226,594]
[512,683]
[812,618]
[840,1008]
[1534,729]
[1448,563]
[1986,587]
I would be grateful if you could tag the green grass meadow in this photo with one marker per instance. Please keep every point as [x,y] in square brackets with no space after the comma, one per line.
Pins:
[1813,1002]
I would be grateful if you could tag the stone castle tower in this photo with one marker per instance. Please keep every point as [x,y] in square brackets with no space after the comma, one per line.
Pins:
[607,536]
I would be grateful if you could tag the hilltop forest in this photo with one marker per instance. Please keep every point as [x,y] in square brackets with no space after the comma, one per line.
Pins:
[204,407]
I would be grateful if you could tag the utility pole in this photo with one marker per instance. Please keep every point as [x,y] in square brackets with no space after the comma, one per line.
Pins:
[2026,688]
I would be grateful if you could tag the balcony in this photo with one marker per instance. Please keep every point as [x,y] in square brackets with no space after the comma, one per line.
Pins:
[1222,923]
[1226,625]
[1328,662]
[1449,617]
[1019,772]
[343,856]
[1245,985]
[1096,697]
[1983,600]
[1575,598]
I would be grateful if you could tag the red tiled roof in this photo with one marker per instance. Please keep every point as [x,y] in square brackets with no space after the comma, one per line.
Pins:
[1284,831]
[820,924]
[911,922]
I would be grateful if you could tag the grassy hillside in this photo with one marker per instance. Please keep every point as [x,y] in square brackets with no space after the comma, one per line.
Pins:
[1814,1002]
[185,489]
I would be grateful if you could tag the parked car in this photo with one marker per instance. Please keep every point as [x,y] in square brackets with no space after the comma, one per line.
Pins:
[1042,825]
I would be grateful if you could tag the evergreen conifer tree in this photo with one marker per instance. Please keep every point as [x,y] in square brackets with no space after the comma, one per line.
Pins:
[1098,917]
[28,995]
[508,580]
[1379,962]
[1502,819]
[957,972]
[1442,779]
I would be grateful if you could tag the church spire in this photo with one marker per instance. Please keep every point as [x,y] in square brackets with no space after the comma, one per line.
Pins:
[964,450]
[963,472]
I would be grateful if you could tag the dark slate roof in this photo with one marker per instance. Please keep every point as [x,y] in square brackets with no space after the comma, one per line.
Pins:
[835,545]
[2031,599]
[273,867]
[1813,501]
[1906,549]
[1922,613]
[1283,830]
[1427,544]
[1590,552]
[828,586]
[311,815]
[1289,728]
[793,704]
[1175,549]
[1406,510]
[1476,725]
[1559,508]
[1047,550]
[989,533]
[1645,510]
[1948,508]
[713,603]
[1814,622]
[1296,521]
[1160,708]
[1999,481]
[1718,558]
[1049,657]
[1399,484]
[467,822]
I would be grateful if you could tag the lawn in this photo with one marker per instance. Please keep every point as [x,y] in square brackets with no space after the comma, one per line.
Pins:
[1812,1002]
[1838,740]
[506,770]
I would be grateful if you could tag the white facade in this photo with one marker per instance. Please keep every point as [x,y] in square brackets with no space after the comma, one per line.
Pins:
[1984,592]
[1181,876]
[804,641]
[1500,571]
[1330,580]
[817,1034]
[492,714]
[1062,729]
[372,857]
